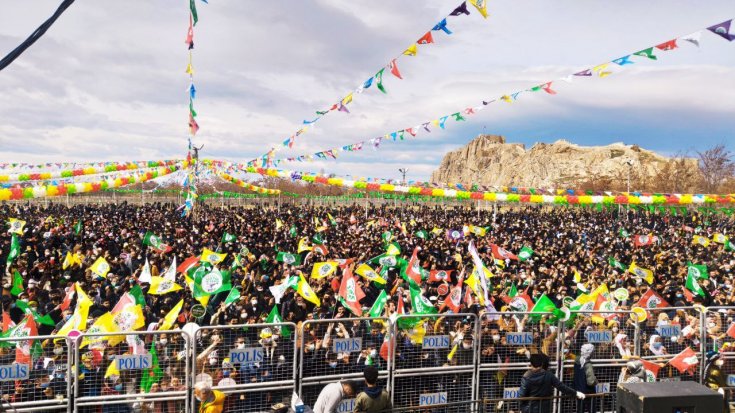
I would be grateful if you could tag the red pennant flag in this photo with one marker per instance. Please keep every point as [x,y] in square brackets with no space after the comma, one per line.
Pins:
[411,131]
[643,240]
[651,369]
[730,331]
[688,295]
[386,347]
[454,299]
[7,322]
[67,298]
[190,34]
[394,69]
[651,299]
[23,348]
[426,39]
[321,249]
[437,276]
[187,264]
[686,361]
[547,88]
[502,254]
[353,220]
[413,269]
[351,293]
[670,45]
[193,125]
[521,302]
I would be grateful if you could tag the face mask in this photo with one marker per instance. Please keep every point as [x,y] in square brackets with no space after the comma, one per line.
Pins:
[240,345]
[311,347]
[657,346]
[226,373]
[254,302]
[118,387]
[711,325]
[719,363]
[45,385]
[496,337]
[615,329]
[466,346]
[679,295]
[373,353]
[163,341]
[58,351]
[212,362]
[333,364]
[243,315]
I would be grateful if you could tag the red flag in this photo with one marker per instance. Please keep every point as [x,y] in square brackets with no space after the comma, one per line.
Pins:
[687,228]
[547,88]
[394,69]
[190,34]
[688,295]
[651,299]
[670,45]
[454,299]
[351,293]
[651,369]
[344,263]
[686,361]
[321,249]
[641,240]
[437,276]
[730,331]
[426,39]
[501,253]
[187,264]
[26,328]
[193,125]
[413,269]
[7,322]
[521,302]
[67,298]
[386,347]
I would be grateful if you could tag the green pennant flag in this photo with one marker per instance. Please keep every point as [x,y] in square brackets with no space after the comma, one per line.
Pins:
[513,291]
[317,239]
[525,253]
[137,293]
[378,78]
[623,233]
[236,262]
[42,319]
[423,234]
[14,249]
[379,305]
[155,242]
[384,260]
[693,286]
[544,305]
[293,232]
[78,227]
[17,284]
[616,264]
[228,238]
[153,374]
[288,258]
[419,303]
[232,297]
[697,271]
[212,282]
[193,8]
[387,236]
[729,246]
[274,317]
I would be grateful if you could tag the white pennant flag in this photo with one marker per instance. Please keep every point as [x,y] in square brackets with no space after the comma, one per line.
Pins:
[145,273]
[692,38]
[170,274]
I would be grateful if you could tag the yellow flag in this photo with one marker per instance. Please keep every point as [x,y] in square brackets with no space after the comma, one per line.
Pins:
[720,238]
[485,271]
[112,369]
[436,231]
[16,226]
[700,240]
[506,98]
[347,99]
[641,272]
[392,250]
[577,276]
[100,267]
[411,51]
[368,273]
[479,231]
[160,286]
[170,318]
[78,320]
[130,318]
[104,324]
[601,290]
[279,224]
[323,269]
[481,6]
[303,245]
[451,354]
[212,257]
[71,259]
[203,300]
[417,333]
[305,291]
[474,284]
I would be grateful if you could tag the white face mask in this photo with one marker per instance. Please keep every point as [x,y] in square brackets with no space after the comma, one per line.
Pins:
[373,353]
[310,347]
[212,362]
[496,337]
[466,346]
[711,325]
[163,341]
[240,345]
[719,363]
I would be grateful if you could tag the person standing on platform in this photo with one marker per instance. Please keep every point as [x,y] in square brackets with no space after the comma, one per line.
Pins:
[539,382]
[584,377]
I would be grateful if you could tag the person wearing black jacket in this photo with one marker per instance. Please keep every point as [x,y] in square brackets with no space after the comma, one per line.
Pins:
[539,382]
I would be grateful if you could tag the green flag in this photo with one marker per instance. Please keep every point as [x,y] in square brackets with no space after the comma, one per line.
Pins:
[393,249]
[419,303]
[78,227]
[616,264]
[14,249]
[235,262]
[317,239]
[693,286]
[544,305]
[212,282]
[233,296]
[379,305]
[623,233]
[288,258]
[384,260]
[137,293]
[153,374]
[193,9]
[729,246]
[423,234]
[155,242]
[228,238]
[387,236]
[293,231]
[41,319]
[274,317]
[17,284]
[697,271]
[513,291]
[378,79]
[525,253]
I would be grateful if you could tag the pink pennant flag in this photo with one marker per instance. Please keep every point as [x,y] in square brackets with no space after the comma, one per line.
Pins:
[394,69]
[547,88]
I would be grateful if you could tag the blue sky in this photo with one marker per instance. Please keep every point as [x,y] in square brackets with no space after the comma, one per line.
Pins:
[107,82]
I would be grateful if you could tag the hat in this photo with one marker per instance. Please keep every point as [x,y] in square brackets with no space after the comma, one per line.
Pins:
[712,356]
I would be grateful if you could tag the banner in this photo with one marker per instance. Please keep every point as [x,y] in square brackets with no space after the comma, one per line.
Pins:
[20,167]
[549,87]
[90,170]
[391,67]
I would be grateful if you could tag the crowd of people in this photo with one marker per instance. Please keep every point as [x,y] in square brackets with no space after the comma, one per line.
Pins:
[572,253]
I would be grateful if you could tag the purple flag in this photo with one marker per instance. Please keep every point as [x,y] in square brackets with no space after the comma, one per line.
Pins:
[461,9]
[587,72]
[723,30]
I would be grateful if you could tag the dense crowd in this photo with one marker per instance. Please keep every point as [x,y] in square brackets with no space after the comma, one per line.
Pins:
[572,253]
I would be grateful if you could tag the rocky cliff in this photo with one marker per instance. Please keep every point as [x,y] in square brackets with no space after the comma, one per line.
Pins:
[489,160]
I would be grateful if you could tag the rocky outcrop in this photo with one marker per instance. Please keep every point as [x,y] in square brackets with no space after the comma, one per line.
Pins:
[489,160]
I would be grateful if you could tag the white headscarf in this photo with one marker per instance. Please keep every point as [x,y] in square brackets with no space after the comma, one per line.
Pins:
[624,350]
[656,352]
[585,353]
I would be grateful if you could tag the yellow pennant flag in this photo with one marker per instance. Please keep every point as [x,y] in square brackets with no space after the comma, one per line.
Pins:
[474,284]
[577,277]
[411,51]
[369,274]
[170,318]
[601,290]
[104,324]
[211,257]
[304,290]
[700,240]
[100,267]
[479,231]
[323,269]
[279,224]
[417,333]
[203,300]
[69,260]
[112,369]
[720,238]
[640,272]
[481,6]
[160,286]
[78,320]
[16,226]
[392,250]
[303,245]
[347,99]
[506,98]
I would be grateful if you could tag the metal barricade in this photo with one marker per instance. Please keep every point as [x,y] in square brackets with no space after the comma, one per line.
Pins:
[614,336]
[34,374]
[332,350]
[253,364]
[506,341]
[434,360]
[135,370]
[718,323]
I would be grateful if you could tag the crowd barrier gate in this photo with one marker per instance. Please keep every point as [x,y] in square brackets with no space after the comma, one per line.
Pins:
[423,360]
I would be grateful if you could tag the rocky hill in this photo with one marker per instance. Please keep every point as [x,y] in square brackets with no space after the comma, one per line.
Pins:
[489,160]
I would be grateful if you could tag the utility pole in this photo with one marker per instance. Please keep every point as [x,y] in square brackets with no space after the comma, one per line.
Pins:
[403,172]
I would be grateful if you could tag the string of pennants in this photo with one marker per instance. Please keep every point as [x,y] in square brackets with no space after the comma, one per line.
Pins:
[21,167]
[563,199]
[192,91]
[246,185]
[600,71]
[50,190]
[90,170]
[80,179]
[392,67]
